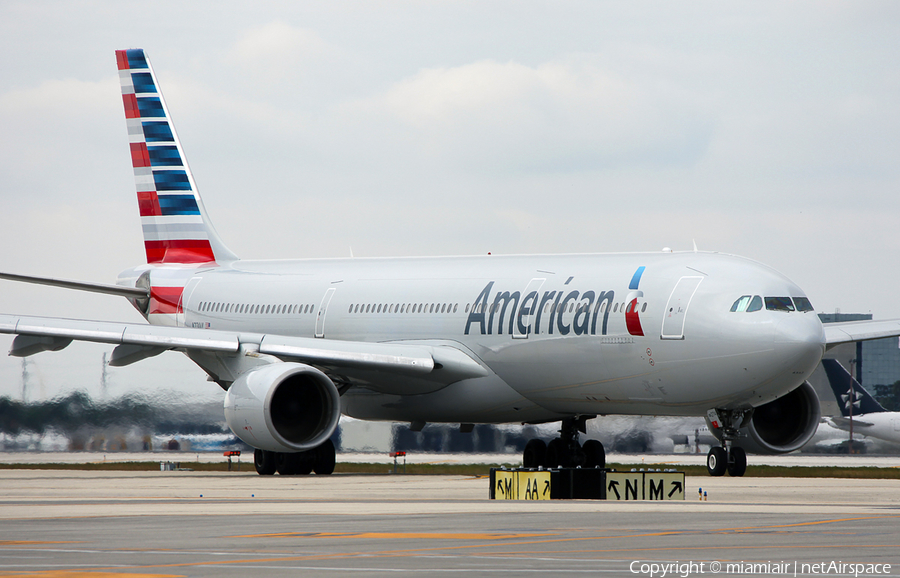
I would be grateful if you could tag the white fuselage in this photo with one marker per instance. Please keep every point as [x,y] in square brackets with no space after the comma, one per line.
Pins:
[882,425]
[552,332]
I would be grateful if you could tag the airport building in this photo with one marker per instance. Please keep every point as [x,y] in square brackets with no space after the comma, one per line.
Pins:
[877,361]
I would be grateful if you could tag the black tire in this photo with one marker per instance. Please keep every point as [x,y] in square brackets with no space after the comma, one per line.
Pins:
[324,459]
[716,461]
[265,462]
[557,454]
[535,454]
[594,454]
[737,462]
[287,464]
[304,464]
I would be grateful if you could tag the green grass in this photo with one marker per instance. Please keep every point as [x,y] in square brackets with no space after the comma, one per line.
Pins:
[761,471]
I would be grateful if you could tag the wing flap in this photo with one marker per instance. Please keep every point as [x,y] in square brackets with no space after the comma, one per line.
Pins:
[352,354]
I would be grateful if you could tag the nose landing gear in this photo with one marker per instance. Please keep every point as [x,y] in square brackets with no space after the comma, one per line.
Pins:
[728,457]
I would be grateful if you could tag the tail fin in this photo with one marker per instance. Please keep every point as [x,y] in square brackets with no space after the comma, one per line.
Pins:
[844,386]
[176,226]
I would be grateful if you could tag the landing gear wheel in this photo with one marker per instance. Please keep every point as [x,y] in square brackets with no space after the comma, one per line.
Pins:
[535,454]
[557,454]
[716,461]
[265,462]
[737,462]
[287,463]
[305,461]
[324,459]
[594,454]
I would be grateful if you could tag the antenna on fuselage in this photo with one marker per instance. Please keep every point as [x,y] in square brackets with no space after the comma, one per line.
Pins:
[695,245]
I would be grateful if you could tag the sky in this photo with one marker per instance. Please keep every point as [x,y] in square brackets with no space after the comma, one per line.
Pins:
[389,128]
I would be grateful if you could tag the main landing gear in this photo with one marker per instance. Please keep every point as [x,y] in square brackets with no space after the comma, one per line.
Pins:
[565,451]
[319,460]
[728,457]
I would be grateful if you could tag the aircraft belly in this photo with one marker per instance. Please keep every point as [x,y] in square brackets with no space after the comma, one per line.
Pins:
[479,400]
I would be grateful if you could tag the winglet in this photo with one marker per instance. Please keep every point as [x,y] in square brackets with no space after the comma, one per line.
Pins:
[175,224]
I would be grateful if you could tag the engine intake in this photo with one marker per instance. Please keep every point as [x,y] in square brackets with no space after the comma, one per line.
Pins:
[283,407]
[783,425]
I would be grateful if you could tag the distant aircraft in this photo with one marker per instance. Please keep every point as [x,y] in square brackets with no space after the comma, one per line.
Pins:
[489,339]
[868,416]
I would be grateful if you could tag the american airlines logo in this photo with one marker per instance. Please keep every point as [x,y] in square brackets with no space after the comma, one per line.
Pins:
[553,312]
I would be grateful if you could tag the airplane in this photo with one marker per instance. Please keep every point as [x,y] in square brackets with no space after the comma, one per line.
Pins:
[868,416]
[482,339]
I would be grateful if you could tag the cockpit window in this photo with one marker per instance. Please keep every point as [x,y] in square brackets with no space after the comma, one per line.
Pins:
[741,304]
[747,303]
[803,304]
[779,304]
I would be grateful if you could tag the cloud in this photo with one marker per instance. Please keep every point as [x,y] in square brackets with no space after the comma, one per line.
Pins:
[564,115]
[278,51]
[67,128]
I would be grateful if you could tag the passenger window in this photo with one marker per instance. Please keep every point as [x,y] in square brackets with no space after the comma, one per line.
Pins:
[755,304]
[741,304]
[644,308]
[455,305]
[779,304]
[803,304]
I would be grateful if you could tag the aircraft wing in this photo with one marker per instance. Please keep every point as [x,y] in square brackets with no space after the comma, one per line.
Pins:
[850,331]
[844,423]
[138,341]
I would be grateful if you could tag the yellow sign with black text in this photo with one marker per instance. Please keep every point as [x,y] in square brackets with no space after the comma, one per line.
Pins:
[585,484]
[645,486]
[663,485]
[516,485]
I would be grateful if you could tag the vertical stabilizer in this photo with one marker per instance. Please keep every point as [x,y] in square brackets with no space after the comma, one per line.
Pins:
[176,226]
[849,392]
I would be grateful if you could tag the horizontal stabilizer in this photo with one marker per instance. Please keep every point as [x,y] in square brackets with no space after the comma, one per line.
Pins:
[130,292]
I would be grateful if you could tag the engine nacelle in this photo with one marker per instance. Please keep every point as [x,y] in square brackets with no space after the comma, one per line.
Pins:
[781,426]
[283,407]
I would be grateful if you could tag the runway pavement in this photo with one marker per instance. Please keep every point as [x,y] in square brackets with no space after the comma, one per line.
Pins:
[63,524]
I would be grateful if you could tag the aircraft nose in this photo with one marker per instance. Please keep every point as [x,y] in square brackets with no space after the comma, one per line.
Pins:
[800,342]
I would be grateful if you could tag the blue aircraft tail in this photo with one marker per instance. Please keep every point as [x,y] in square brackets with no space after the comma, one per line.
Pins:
[845,386]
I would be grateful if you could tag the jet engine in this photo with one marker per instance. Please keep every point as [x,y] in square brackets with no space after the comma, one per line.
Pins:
[283,407]
[780,426]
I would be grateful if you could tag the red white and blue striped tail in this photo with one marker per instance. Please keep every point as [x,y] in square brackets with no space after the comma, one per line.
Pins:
[176,226]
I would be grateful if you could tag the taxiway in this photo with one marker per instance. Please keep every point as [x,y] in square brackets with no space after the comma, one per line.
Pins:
[91,524]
